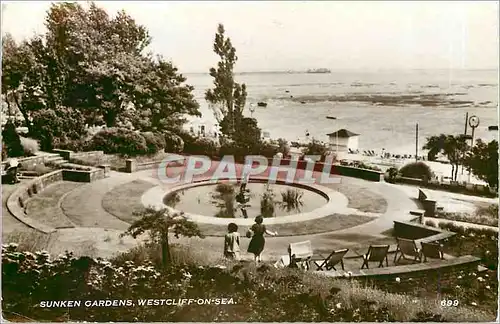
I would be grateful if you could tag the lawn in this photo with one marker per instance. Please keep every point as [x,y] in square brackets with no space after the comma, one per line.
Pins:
[485,214]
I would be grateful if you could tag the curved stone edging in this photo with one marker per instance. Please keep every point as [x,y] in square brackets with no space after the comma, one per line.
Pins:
[20,194]
[154,198]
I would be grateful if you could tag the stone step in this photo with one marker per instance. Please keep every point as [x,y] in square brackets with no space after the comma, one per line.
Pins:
[54,158]
[74,166]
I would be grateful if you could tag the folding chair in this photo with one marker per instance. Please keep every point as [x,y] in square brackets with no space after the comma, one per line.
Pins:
[376,253]
[300,254]
[432,251]
[407,250]
[331,261]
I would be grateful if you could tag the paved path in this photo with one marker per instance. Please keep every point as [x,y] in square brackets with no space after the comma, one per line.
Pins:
[98,230]
[83,207]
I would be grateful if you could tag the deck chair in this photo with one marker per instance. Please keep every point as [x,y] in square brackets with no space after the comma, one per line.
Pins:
[331,261]
[407,250]
[300,254]
[432,251]
[376,253]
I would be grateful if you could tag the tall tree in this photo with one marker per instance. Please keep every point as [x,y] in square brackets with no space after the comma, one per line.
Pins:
[94,67]
[161,223]
[453,147]
[228,97]
[483,162]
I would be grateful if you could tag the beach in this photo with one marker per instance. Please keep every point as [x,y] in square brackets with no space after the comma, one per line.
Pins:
[383,106]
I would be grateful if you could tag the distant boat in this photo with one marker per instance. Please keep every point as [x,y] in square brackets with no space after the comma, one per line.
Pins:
[331,117]
[262,104]
[322,70]
[493,127]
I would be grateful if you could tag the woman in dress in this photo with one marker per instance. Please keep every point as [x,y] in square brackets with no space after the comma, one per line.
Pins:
[258,241]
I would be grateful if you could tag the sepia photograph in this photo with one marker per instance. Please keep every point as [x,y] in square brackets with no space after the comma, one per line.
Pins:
[249,161]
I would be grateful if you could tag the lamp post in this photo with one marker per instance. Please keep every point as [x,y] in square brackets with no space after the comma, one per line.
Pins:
[473,123]
[252,109]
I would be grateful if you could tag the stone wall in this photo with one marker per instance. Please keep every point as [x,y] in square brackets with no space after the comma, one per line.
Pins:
[16,202]
[414,231]
[440,270]
[83,176]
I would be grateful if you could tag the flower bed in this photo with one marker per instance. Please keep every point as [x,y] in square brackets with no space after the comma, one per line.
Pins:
[251,294]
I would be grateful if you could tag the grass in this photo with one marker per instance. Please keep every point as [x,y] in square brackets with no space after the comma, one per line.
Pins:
[362,199]
[29,240]
[316,226]
[124,200]
[484,215]
[44,206]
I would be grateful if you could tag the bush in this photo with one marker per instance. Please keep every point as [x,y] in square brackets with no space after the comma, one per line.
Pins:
[391,174]
[155,142]
[416,170]
[173,143]
[119,140]
[30,146]
[316,148]
[75,145]
[12,140]
[202,146]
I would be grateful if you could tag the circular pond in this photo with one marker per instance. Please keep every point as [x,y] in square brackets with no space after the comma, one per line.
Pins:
[231,200]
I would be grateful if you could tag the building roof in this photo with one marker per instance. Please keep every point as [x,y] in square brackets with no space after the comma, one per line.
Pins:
[343,133]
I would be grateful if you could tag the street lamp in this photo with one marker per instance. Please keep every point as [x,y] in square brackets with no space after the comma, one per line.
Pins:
[252,109]
[473,123]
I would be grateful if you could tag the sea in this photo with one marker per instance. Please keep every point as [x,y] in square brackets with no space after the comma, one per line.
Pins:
[298,104]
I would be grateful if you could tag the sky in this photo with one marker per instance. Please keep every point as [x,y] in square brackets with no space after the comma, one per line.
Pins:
[298,35]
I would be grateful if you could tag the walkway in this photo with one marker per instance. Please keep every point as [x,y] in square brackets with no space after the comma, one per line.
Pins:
[83,206]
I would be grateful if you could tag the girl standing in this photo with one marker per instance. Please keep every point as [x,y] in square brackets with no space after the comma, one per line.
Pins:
[258,241]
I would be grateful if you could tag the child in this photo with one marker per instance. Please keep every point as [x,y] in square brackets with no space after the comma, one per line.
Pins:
[232,242]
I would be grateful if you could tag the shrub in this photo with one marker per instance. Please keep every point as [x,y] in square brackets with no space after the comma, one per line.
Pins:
[268,150]
[119,140]
[30,146]
[76,145]
[12,140]
[316,148]
[202,146]
[173,143]
[391,174]
[155,142]
[417,170]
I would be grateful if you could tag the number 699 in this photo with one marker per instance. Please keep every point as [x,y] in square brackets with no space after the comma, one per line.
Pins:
[449,302]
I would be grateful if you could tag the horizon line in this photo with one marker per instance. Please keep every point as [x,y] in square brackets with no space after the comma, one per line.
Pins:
[351,70]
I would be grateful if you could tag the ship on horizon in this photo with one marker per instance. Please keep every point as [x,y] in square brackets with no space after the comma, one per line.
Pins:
[321,70]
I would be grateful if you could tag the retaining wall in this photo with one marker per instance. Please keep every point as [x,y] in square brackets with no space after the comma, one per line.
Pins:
[371,175]
[16,203]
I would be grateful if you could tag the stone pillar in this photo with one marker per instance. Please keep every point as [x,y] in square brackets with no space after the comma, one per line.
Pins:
[130,166]
[430,208]
[106,168]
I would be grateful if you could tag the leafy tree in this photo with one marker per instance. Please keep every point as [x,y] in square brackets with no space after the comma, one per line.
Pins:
[97,65]
[418,170]
[227,98]
[453,147]
[483,161]
[12,140]
[159,224]
[162,97]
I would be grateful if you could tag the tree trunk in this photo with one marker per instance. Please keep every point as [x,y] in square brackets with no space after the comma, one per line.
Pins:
[165,251]
[452,170]
[456,172]
[25,115]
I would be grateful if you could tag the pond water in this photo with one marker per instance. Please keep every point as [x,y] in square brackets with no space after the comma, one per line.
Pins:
[225,200]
